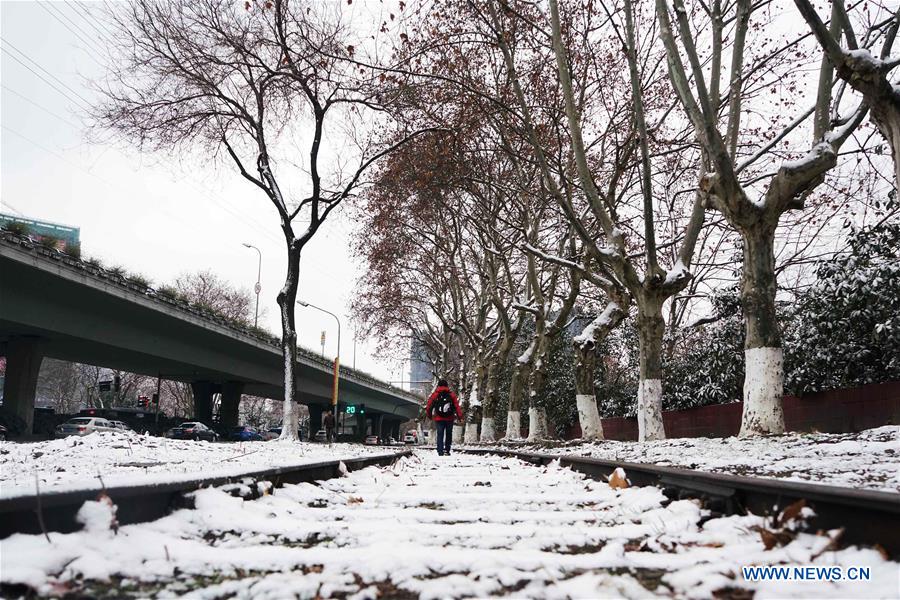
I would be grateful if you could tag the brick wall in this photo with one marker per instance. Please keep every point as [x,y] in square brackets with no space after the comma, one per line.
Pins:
[834,411]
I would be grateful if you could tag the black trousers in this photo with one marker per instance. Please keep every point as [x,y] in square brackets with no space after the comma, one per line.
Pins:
[444,436]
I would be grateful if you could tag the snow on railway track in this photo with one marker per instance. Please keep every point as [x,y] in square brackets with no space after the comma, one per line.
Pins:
[434,527]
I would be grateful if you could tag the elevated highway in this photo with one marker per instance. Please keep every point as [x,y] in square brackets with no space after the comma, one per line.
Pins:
[58,306]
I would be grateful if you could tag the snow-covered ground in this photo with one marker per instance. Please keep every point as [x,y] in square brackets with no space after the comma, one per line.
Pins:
[435,527]
[75,463]
[869,459]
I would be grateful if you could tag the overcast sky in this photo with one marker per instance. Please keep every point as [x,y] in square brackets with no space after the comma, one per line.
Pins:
[148,213]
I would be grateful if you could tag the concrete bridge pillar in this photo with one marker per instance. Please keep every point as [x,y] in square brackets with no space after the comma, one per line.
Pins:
[360,427]
[23,363]
[395,430]
[315,419]
[378,426]
[231,399]
[203,401]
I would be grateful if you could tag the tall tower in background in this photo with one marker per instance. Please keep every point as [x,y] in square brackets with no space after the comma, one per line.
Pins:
[421,378]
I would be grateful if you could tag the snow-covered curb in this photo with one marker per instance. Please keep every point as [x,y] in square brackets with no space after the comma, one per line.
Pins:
[869,459]
[79,463]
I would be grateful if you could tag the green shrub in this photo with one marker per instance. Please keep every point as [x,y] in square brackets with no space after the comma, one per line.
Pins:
[48,241]
[138,280]
[73,250]
[17,228]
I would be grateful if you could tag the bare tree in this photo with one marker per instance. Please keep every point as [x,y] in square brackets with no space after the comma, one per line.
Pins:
[238,79]
[206,289]
[849,52]
[730,190]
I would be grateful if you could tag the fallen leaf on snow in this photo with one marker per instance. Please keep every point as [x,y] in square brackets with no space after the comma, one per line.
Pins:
[618,480]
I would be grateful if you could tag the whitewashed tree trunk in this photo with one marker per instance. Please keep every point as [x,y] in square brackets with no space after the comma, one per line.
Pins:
[763,391]
[487,430]
[650,325]
[457,434]
[471,430]
[287,300]
[589,417]
[513,425]
[585,351]
[537,423]
[764,379]
[471,434]
[650,422]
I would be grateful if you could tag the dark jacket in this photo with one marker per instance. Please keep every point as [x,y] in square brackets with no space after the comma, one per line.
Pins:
[328,422]
[433,397]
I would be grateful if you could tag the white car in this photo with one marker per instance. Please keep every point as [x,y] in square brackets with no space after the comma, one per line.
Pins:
[84,426]
[120,425]
[372,440]
[411,437]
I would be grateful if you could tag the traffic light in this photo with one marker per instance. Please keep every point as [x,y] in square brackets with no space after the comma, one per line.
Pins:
[362,409]
[155,398]
[117,383]
[143,402]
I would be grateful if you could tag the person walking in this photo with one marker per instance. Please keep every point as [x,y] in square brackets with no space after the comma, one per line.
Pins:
[328,421]
[443,409]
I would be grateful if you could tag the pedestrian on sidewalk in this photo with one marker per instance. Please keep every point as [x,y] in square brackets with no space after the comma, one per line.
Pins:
[329,426]
[443,409]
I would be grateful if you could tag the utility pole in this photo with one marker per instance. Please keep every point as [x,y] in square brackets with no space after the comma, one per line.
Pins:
[257,287]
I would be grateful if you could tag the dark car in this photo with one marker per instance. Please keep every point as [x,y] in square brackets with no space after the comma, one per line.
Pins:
[244,433]
[192,430]
[275,432]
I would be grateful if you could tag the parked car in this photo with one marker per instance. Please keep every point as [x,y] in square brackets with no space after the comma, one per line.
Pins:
[84,426]
[372,440]
[120,426]
[321,436]
[244,433]
[192,430]
[411,437]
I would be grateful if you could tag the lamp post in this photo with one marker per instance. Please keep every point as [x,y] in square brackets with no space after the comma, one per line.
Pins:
[257,287]
[337,357]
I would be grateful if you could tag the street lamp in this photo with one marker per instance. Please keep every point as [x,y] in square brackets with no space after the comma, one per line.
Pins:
[337,357]
[257,287]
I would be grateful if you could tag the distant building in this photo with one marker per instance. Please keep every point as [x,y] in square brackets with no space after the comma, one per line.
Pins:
[421,377]
[66,236]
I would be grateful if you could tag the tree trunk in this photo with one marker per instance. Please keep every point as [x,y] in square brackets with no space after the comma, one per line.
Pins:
[651,327]
[516,393]
[585,400]
[537,414]
[471,433]
[287,299]
[886,117]
[489,405]
[537,424]
[764,379]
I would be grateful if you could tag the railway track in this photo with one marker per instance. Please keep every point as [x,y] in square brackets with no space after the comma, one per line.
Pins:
[55,511]
[868,517]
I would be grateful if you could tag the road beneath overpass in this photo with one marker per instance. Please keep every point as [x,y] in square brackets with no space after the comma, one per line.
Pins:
[52,305]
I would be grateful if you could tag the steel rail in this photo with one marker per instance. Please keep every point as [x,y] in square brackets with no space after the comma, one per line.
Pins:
[143,503]
[868,517]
